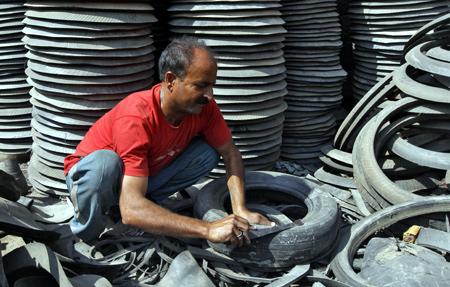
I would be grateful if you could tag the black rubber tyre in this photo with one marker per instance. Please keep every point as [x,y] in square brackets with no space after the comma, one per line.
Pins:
[296,245]
[348,245]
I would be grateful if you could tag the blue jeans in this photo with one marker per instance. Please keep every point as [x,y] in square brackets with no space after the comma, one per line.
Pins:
[94,184]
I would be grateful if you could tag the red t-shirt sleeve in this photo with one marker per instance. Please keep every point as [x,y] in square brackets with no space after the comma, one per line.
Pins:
[131,143]
[217,132]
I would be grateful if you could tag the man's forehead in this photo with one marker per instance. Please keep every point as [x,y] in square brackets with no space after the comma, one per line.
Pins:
[202,54]
[201,63]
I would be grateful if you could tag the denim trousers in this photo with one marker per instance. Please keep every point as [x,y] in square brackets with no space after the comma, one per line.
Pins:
[94,184]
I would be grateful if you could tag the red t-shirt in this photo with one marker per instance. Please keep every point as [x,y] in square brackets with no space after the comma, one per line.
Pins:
[138,132]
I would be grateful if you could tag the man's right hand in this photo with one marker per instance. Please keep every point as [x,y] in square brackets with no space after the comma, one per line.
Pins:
[232,228]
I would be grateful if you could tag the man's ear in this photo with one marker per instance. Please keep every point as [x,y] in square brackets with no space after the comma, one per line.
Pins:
[169,79]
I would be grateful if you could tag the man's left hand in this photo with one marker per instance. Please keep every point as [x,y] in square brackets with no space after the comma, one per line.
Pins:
[254,217]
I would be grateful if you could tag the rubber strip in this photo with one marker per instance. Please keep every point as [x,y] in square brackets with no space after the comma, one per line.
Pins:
[428,181]
[336,154]
[422,139]
[396,167]
[417,58]
[24,261]
[211,255]
[274,214]
[50,211]
[431,108]
[328,282]
[437,125]
[360,202]
[282,221]
[386,133]
[363,186]
[336,166]
[374,200]
[418,90]
[336,192]
[447,178]
[434,238]
[421,34]
[16,219]
[294,275]
[123,258]
[3,282]
[361,111]
[143,258]
[418,155]
[333,179]
[364,155]
[226,271]
[90,280]
[389,134]
[184,271]
[25,201]
[35,280]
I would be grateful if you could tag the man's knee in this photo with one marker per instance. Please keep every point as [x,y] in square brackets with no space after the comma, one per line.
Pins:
[94,168]
[211,158]
[99,172]
[107,162]
[205,156]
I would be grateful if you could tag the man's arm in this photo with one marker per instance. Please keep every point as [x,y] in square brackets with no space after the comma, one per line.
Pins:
[138,211]
[235,182]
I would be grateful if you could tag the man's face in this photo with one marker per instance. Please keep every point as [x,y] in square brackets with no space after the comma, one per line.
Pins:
[196,89]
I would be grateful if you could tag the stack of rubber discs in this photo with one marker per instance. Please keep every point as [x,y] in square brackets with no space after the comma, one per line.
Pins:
[314,76]
[379,30]
[83,58]
[246,37]
[15,108]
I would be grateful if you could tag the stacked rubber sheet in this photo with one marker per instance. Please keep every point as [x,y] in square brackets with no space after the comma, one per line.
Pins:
[379,30]
[395,141]
[83,58]
[247,38]
[314,77]
[160,30]
[15,108]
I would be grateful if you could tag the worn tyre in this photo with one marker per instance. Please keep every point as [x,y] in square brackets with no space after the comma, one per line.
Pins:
[296,245]
[348,245]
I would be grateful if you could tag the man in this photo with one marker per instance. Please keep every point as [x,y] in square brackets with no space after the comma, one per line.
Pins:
[154,143]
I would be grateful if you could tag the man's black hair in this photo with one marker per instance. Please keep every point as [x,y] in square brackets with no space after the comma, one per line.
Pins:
[179,54]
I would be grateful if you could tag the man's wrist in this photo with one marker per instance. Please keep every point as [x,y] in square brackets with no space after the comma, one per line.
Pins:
[240,209]
[205,228]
